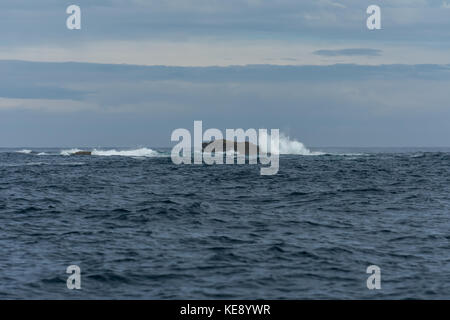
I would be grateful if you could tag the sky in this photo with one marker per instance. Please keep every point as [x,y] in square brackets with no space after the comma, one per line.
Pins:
[139,69]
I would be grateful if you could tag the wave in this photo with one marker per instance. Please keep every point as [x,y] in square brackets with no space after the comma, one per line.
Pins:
[286,146]
[43,164]
[69,152]
[25,151]
[142,152]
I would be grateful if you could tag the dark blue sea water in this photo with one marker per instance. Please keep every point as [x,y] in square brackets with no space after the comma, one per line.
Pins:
[142,227]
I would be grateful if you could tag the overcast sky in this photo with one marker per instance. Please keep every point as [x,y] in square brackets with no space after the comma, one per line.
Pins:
[296,86]
[225,32]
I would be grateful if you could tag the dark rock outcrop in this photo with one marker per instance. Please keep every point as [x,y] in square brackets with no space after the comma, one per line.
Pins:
[250,148]
[81,153]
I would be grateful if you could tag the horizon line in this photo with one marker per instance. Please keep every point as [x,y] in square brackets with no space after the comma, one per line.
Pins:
[226,66]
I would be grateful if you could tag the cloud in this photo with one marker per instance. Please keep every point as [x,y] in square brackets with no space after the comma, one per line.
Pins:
[233,32]
[204,52]
[349,52]
[33,22]
[214,90]
[129,105]
[46,105]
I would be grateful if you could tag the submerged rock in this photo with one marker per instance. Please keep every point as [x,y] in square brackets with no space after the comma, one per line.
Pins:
[249,148]
[81,153]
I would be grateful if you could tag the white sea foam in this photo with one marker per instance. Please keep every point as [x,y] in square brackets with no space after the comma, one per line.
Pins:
[286,146]
[68,152]
[25,151]
[70,164]
[35,163]
[142,152]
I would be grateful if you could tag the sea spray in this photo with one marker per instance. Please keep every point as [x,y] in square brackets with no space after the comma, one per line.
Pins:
[141,152]
[286,146]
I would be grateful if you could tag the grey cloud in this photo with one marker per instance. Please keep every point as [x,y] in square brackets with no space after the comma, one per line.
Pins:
[349,52]
[32,22]
[323,105]
[14,90]
[16,74]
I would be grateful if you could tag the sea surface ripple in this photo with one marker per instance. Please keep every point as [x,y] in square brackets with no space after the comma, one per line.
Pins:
[144,228]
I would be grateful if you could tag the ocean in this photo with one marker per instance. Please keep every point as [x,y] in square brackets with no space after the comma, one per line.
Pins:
[141,227]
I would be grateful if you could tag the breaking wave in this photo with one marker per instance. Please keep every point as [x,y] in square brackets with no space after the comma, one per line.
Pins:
[25,151]
[68,152]
[142,152]
[286,146]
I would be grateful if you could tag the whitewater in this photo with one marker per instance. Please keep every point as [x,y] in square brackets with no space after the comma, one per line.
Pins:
[287,146]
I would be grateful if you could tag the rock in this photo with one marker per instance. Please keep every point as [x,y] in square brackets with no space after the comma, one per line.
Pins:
[250,148]
[81,153]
